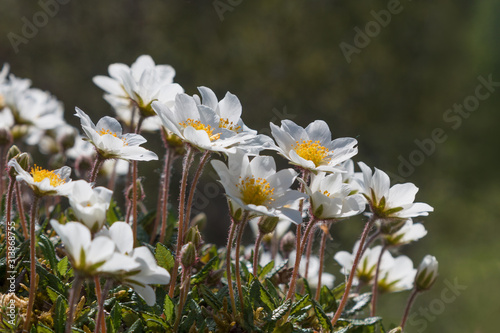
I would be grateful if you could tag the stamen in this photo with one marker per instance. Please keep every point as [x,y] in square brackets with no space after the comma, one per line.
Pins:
[225,123]
[198,125]
[40,174]
[108,131]
[312,151]
[255,191]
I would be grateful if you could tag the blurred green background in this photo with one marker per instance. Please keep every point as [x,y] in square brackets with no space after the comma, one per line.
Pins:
[283,59]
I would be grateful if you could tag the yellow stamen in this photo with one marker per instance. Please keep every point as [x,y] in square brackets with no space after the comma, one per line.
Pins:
[255,191]
[108,131]
[198,125]
[225,123]
[40,174]
[312,151]
[326,193]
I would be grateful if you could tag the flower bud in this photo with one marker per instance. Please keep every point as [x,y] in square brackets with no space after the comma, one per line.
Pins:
[19,131]
[13,152]
[287,244]
[173,142]
[267,224]
[193,236]
[24,160]
[188,255]
[140,191]
[5,137]
[200,220]
[427,273]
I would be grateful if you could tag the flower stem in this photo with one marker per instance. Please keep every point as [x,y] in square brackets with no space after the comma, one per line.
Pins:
[100,323]
[310,241]
[199,171]
[8,217]
[348,285]
[322,247]
[298,255]
[20,209]
[34,213]
[95,169]
[258,241]
[413,295]
[188,158]
[228,267]
[185,280]
[375,281]
[134,200]
[242,225]
[75,291]
[169,158]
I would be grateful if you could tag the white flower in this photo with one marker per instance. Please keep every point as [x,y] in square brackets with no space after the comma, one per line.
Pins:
[408,233]
[281,227]
[365,272]
[427,273]
[44,182]
[148,271]
[311,148]
[90,204]
[397,275]
[92,256]
[390,202]
[201,127]
[138,85]
[229,111]
[330,197]
[327,279]
[109,141]
[257,188]
[6,118]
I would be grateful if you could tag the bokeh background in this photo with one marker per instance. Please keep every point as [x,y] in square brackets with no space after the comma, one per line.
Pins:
[283,59]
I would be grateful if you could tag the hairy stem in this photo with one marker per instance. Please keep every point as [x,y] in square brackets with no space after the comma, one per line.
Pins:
[100,323]
[322,247]
[242,225]
[134,200]
[20,209]
[375,281]
[73,296]
[34,214]
[258,241]
[185,279]
[348,285]
[9,225]
[188,158]
[199,171]
[409,304]
[95,169]
[228,267]
[310,241]
[169,158]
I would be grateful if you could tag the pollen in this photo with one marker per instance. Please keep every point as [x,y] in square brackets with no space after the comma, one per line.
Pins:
[255,191]
[198,125]
[312,151]
[225,123]
[326,193]
[40,174]
[104,131]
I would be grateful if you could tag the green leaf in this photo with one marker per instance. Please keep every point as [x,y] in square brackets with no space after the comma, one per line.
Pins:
[113,214]
[272,290]
[168,309]
[164,258]
[60,315]
[280,311]
[322,317]
[202,275]
[266,269]
[49,251]
[209,297]
[327,300]
[136,327]
[62,267]
[260,296]
[276,269]
[299,305]
[285,328]
[116,317]
[41,328]
[360,302]
[338,291]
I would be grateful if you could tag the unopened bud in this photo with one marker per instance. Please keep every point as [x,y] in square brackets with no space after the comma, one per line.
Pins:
[268,224]
[19,131]
[5,137]
[427,273]
[188,255]
[24,160]
[200,220]
[13,152]
[193,236]
[287,244]
[140,191]
[173,142]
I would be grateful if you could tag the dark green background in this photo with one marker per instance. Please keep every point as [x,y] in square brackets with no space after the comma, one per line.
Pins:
[285,56]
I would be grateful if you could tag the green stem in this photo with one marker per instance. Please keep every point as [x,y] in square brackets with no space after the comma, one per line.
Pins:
[348,285]
[34,213]
[375,281]
[188,158]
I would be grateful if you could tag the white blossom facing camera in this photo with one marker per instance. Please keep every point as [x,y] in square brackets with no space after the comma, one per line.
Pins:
[109,141]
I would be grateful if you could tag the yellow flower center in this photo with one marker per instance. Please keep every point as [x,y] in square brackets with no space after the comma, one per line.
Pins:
[255,191]
[326,193]
[198,125]
[108,131]
[225,123]
[312,151]
[40,174]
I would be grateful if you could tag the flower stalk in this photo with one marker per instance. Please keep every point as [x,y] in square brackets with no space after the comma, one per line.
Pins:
[324,236]
[375,281]
[409,304]
[20,209]
[228,266]
[73,297]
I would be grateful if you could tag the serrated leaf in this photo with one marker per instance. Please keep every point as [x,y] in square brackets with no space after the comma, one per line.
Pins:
[209,297]
[266,269]
[41,328]
[62,267]
[136,327]
[338,291]
[60,315]
[272,290]
[322,317]
[360,302]
[49,251]
[299,305]
[327,300]
[168,309]
[113,213]
[280,311]
[116,317]
[260,295]
[285,328]
[164,257]
[276,269]
[202,275]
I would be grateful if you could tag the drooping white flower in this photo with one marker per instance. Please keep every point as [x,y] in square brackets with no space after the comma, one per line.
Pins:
[408,233]
[89,256]
[427,273]
[42,181]
[312,148]
[330,197]
[138,86]
[201,127]
[148,271]
[365,272]
[397,275]
[90,204]
[390,202]
[109,141]
[256,187]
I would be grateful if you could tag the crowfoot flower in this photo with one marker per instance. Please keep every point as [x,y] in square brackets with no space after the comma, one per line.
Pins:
[109,141]
[312,148]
